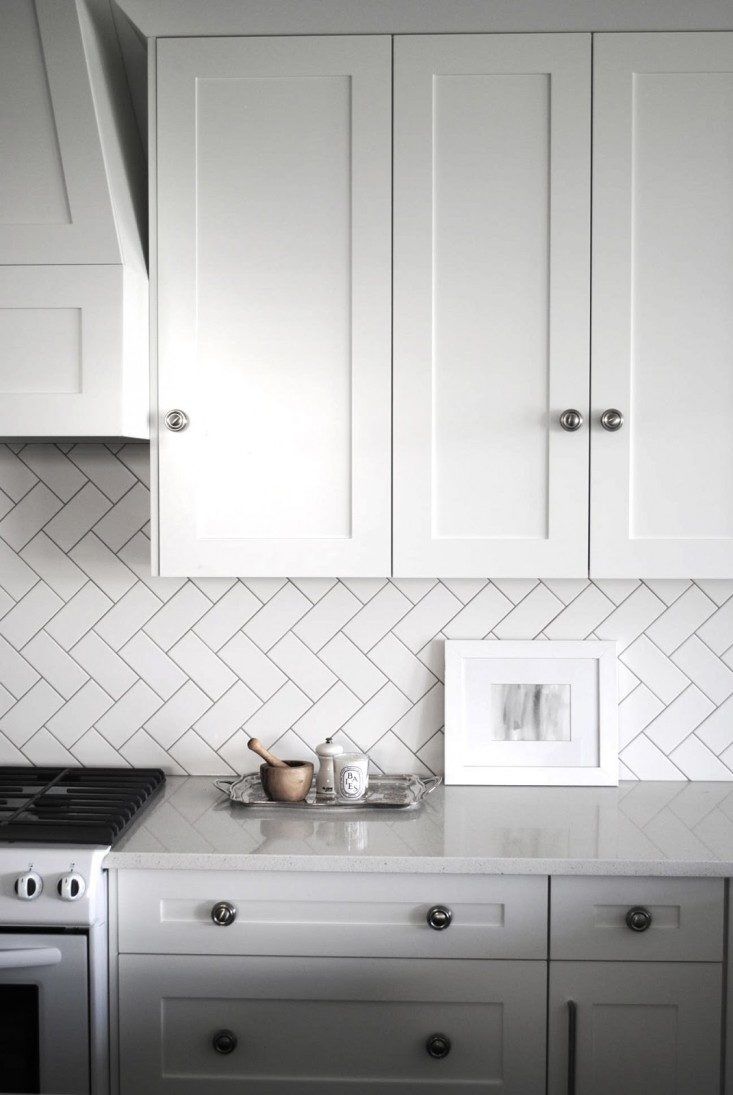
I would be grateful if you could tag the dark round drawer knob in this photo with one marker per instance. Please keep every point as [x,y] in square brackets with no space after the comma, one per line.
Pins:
[224,1041]
[224,914]
[439,917]
[438,1046]
[638,919]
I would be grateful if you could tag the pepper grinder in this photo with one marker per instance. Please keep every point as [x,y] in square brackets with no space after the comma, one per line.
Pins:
[326,751]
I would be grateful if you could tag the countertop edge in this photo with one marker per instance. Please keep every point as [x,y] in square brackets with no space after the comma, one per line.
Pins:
[353,864]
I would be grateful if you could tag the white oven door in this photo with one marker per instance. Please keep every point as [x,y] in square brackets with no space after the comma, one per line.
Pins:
[44,1013]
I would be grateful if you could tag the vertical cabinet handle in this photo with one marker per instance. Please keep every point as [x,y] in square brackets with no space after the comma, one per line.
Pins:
[572,1044]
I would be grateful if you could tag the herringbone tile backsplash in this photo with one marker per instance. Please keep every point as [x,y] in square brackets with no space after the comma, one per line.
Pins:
[102,664]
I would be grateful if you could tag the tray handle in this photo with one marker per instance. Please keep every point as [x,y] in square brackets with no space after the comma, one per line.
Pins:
[430,783]
[225,783]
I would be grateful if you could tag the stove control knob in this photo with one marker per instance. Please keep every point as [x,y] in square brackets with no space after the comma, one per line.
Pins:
[71,886]
[29,886]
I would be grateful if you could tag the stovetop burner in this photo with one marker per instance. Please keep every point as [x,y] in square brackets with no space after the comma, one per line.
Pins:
[73,805]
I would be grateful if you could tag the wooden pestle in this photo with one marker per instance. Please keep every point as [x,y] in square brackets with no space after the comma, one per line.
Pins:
[257,747]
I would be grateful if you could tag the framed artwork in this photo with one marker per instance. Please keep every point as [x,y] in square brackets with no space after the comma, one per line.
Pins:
[537,712]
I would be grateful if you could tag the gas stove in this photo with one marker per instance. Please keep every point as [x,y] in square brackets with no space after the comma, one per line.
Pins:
[56,827]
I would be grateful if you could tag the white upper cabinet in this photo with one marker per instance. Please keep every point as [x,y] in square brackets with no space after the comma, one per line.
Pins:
[273,265]
[73,278]
[662,352]
[491,304]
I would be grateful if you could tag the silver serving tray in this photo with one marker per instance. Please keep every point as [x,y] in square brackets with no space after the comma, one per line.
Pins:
[383,793]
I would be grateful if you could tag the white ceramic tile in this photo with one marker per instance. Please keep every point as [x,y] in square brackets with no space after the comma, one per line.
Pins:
[428,616]
[153,665]
[717,589]
[516,589]
[29,516]
[177,616]
[314,588]
[16,673]
[16,478]
[319,625]
[127,715]
[377,617]
[227,616]
[414,588]
[377,716]
[85,609]
[668,589]
[364,588]
[109,475]
[625,680]
[697,761]
[679,719]
[16,577]
[567,589]
[633,616]
[44,748]
[655,669]
[56,568]
[92,749]
[143,752]
[636,712]
[530,616]
[226,715]
[392,756]
[302,666]
[76,518]
[276,617]
[53,664]
[711,676]
[264,589]
[717,729]
[125,619]
[277,714]
[618,589]
[646,761]
[432,753]
[480,616]
[136,555]
[177,714]
[101,663]
[422,720]
[101,565]
[465,589]
[30,614]
[432,656]
[198,758]
[358,673]
[581,616]
[54,468]
[252,666]
[30,712]
[402,667]
[79,713]
[125,518]
[136,457]
[327,715]
[680,620]
[717,631]
[202,665]
[214,588]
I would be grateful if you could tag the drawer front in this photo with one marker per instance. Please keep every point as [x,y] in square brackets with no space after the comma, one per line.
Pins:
[302,1025]
[169,912]
[588,919]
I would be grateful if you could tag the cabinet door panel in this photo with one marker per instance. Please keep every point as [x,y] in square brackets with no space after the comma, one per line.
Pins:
[54,202]
[646,1028]
[661,504]
[304,1024]
[492,192]
[274,305]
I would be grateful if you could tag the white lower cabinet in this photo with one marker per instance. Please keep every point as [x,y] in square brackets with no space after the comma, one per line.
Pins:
[275,1025]
[637,1028]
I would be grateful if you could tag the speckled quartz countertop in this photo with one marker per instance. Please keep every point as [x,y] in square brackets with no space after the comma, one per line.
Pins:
[638,828]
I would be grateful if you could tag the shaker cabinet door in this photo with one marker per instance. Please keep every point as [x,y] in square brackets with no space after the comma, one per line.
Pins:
[289,1026]
[491,304]
[661,498]
[274,293]
[637,1028]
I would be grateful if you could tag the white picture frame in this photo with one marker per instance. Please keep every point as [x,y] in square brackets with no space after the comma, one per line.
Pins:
[534,713]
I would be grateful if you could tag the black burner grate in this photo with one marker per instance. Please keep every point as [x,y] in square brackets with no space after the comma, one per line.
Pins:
[73,805]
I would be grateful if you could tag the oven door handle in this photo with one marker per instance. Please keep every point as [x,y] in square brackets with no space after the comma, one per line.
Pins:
[32,956]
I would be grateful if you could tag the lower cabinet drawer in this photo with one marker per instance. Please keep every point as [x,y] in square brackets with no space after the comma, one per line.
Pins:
[276,1025]
[328,914]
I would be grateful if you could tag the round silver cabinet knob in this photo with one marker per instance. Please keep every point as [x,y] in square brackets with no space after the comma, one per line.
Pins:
[29,886]
[224,913]
[439,917]
[176,421]
[571,420]
[224,1041]
[438,1046]
[638,919]
[612,420]
[71,886]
